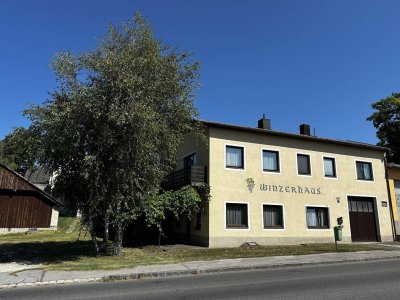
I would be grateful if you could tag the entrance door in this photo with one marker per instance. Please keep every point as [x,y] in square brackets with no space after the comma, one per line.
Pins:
[362,219]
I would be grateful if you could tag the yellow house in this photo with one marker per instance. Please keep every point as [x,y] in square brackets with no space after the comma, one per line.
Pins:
[393,172]
[272,187]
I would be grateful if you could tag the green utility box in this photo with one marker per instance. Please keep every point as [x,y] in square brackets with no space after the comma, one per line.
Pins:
[338,232]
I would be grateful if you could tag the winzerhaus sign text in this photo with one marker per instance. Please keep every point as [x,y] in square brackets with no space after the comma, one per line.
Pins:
[290,189]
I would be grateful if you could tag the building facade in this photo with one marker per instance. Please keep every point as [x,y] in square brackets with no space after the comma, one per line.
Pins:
[393,172]
[272,187]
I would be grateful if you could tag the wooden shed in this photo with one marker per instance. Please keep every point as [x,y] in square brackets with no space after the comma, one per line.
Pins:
[24,206]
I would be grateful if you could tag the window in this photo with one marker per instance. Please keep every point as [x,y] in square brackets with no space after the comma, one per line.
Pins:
[329,167]
[317,217]
[273,216]
[303,164]
[234,157]
[270,161]
[189,160]
[236,215]
[364,170]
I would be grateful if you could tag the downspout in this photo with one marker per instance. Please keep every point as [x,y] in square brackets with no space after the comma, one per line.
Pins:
[394,234]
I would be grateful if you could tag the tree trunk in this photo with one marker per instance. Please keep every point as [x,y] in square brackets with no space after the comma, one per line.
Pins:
[93,235]
[104,246]
[159,234]
[118,239]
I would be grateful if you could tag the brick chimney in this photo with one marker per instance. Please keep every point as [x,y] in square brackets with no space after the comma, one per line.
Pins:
[264,123]
[305,129]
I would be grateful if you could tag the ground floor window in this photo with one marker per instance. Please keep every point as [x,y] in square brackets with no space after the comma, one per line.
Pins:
[273,216]
[317,217]
[236,215]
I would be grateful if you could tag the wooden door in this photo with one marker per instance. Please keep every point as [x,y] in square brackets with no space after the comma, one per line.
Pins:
[362,219]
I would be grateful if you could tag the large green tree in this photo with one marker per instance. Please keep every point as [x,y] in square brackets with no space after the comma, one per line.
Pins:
[386,119]
[17,150]
[112,127]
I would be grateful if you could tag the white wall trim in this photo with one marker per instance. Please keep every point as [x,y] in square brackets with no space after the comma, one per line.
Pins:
[248,215]
[376,202]
[283,217]
[323,167]
[372,169]
[279,161]
[244,157]
[297,167]
[329,217]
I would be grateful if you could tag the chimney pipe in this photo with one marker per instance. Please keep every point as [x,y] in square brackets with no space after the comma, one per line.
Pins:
[264,123]
[305,129]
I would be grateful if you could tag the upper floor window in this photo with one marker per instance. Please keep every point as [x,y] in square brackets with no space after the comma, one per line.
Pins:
[189,160]
[329,167]
[364,170]
[303,164]
[270,161]
[234,157]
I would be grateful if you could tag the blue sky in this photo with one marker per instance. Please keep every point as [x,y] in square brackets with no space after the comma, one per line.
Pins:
[316,62]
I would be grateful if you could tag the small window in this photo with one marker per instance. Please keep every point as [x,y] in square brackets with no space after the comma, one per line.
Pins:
[364,170]
[273,216]
[234,157]
[189,160]
[329,167]
[270,161]
[303,164]
[236,216]
[317,217]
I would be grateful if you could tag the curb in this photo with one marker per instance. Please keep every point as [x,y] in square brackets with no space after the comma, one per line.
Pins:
[142,275]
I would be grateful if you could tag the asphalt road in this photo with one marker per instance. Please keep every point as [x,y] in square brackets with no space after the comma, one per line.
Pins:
[362,280]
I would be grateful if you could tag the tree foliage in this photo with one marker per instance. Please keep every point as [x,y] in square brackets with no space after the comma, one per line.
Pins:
[184,202]
[112,127]
[386,120]
[18,149]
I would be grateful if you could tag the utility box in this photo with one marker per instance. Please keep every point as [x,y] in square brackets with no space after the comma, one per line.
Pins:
[338,232]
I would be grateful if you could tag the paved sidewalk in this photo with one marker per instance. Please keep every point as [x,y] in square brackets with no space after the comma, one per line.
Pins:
[40,277]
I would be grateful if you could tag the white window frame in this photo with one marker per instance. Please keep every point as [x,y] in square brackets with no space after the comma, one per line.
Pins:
[329,217]
[323,167]
[279,161]
[283,217]
[244,157]
[372,170]
[297,167]
[248,216]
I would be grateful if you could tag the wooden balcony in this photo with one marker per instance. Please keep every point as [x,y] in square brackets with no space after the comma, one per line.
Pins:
[194,175]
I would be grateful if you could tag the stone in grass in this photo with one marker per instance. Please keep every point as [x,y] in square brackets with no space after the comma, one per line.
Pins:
[31,230]
[249,245]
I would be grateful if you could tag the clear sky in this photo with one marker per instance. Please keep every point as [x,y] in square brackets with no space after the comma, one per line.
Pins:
[316,62]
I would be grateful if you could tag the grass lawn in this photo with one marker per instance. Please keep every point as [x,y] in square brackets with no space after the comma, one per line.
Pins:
[59,250]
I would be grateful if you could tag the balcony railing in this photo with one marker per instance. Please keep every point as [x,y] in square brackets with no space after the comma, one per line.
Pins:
[194,175]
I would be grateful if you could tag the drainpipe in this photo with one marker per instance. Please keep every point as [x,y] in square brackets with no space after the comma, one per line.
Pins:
[394,234]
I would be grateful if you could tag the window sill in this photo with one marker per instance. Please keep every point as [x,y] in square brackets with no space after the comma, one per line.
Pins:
[237,227]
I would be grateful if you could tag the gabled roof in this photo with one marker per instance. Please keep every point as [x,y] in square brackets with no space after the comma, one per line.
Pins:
[38,176]
[16,182]
[295,136]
